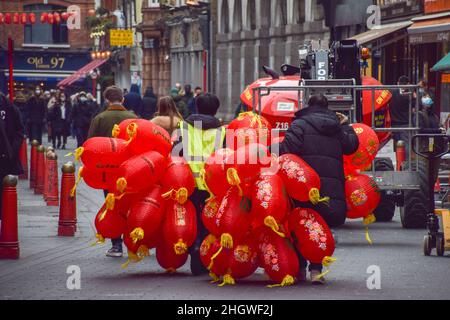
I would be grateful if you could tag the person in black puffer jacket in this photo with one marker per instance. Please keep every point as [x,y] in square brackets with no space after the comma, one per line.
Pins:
[320,138]
[149,104]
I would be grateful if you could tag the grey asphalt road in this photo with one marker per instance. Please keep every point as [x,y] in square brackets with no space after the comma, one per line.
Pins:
[41,272]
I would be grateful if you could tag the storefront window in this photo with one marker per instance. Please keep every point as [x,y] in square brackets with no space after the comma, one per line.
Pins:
[44,33]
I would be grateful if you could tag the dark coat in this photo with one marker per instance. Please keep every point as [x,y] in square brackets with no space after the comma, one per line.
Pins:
[11,138]
[149,104]
[82,114]
[133,100]
[60,126]
[399,108]
[104,122]
[318,138]
[37,109]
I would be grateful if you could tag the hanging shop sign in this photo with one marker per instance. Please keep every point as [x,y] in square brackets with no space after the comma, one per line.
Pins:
[121,37]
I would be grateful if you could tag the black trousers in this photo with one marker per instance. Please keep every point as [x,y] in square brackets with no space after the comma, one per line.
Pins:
[35,131]
[198,199]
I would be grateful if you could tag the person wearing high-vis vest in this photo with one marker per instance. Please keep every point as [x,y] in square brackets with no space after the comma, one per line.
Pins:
[199,136]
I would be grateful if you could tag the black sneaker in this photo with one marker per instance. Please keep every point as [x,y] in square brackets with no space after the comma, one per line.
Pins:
[115,252]
[197,268]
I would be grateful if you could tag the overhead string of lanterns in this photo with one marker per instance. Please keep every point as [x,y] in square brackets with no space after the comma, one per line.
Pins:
[25,18]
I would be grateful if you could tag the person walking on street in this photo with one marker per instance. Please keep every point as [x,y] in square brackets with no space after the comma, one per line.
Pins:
[20,101]
[181,106]
[133,100]
[201,143]
[321,138]
[399,110]
[102,126]
[59,116]
[149,104]
[188,99]
[36,115]
[167,116]
[82,114]
[11,137]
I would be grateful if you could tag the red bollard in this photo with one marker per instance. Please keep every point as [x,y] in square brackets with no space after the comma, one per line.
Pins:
[40,170]
[9,241]
[48,151]
[23,156]
[67,210]
[52,180]
[400,154]
[33,163]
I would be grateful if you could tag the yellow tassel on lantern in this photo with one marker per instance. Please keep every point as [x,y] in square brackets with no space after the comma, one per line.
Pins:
[137,235]
[121,184]
[180,247]
[234,180]
[326,262]
[226,241]
[227,280]
[171,270]
[100,240]
[215,255]
[270,222]
[132,131]
[115,131]
[74,189]
[287,281]
[181,195]
[214,277]
[203,178]
[314,196]
[367,221]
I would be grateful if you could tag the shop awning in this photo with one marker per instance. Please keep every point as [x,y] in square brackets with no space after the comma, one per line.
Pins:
[26,75]
[443,64]
[434,28]
[82,72]
[380,31]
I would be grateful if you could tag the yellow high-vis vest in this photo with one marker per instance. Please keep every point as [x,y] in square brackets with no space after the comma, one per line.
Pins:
[198,145]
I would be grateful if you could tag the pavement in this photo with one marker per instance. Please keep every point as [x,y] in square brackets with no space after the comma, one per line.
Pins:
[41,271]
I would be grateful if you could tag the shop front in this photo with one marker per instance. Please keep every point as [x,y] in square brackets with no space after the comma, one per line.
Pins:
[40,68]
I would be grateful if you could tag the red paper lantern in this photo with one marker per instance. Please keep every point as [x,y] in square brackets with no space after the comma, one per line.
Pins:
[367,150]
[100,178]
[65,16]
[311,234]
[120,130]
[140,172]
[168,259]
[44,17]
[2,18]
[146,136]
[50,18]
[178,179]
[301,181]
[16,18]
[109,223]
[248,127]
[216,173]
[23,18]
[277,256]
[136,250]
[8,18]
[233,218]
[249,161]
[57,17]
[32,18]
[145,218]
[102,152]
[208,249]
[270,202]
[180,226]
[209,213]
[363,196]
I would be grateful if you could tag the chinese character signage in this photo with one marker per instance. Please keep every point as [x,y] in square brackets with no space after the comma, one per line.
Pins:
[119,37]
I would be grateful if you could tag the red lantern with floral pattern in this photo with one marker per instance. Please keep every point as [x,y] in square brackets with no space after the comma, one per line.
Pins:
[168,259]
[248,127]
[178,181]
[209,251]
[363,196]
[301,181]
[367,150]
[270,202]
[311,234]
[216,173]
[180,226]
[277,256]
[209,213]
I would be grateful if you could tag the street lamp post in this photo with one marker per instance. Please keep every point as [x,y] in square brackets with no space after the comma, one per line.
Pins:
[11,68]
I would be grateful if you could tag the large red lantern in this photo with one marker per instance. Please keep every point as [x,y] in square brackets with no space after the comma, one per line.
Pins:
[367,150]
[50,18]
[216,172]
[209,213]
[248,127]
[102,152]
[180,226]
[109,224]
[146,136]
[140,172]
[301,181]
[209,251]
[57,17]
[363,196]
[32,18]
[249,161]
[23,18]
[145,218]
[168,259]
[233,218]
[178,181]
[44,17]
[136,250]
[270,202]
[8,18]
[99,178]
[65,16]
[16,18]
[277,256]
[312,236]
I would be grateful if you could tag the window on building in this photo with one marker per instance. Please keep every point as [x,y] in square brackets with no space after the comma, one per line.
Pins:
[44,33]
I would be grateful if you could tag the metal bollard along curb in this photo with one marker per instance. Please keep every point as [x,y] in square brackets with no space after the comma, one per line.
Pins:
[67,210]
[9,240]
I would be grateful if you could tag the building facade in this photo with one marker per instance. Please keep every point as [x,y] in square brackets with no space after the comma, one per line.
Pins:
[250,34]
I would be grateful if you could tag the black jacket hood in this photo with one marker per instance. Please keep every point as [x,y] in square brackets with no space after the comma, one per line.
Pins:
[323,120]
[208,122]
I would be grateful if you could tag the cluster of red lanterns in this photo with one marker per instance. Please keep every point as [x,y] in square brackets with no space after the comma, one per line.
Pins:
[24,18]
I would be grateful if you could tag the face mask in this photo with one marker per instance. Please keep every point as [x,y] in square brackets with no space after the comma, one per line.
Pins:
[83,99]
[63,98]
[427,101]
[38,92]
